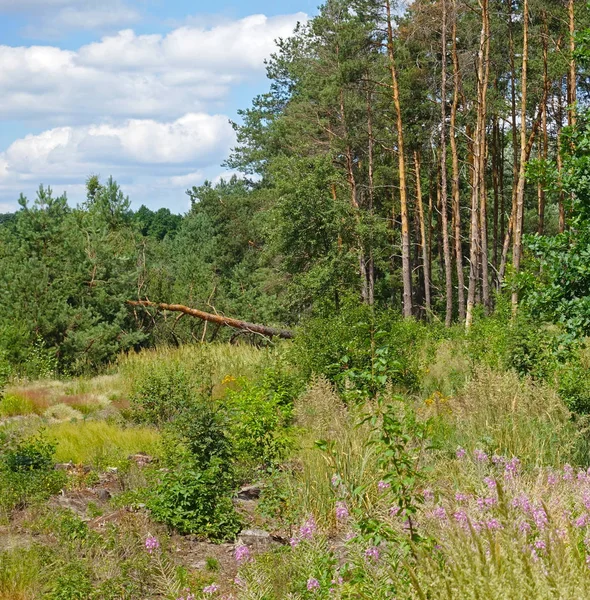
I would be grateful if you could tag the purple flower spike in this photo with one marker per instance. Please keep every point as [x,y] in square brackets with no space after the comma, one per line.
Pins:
[211,589]
[461,453]
[341,511]
[242,554]
[151,544]
[372,553]
[480,455]
[313,584]
[383,485]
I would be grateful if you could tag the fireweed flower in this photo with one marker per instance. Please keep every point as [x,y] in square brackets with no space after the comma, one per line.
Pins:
[427,495]
[480,455]
[372,553]
[460,453]
[294,542]
[394,511]
[439,513]
[335,480]
[540,517]
[308,529]
[524,527]
[588,559]
[151,544]
[242,554]
[493,524]
[568,472]
[551,478]
[490,482]
[581,521]
[498,460]
[341,511]
[211,589]
[540,545]
[383,485]
[313,584]
[511,468]
[461,497]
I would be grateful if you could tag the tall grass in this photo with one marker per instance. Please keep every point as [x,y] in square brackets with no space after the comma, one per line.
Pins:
[100,443]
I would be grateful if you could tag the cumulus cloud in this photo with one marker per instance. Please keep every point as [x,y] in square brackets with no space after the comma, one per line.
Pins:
[66,155]
[130,75]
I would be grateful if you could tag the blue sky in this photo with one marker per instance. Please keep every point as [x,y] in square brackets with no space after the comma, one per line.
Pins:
[140,89]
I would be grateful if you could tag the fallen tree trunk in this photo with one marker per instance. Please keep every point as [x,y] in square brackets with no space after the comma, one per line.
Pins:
[220,320]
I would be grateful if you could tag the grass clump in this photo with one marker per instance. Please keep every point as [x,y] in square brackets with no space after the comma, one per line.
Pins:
[101,443]
[12,405]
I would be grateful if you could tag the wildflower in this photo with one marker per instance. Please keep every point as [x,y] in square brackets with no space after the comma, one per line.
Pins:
[242,554]
[568,472]
[383,485]
[581,521]
[493,524]
[540,545]
[498,460]
[524,527]
[439,513]
[461,517]
[540,517]
[582,476]
[460,453]
[294,542]
[151,544]
[239,581]
[211,589]
[588,560]
[341,511]
[586,500]
[394,511]
[313,584]
[551,479]
[512,465]
[336,480]
[522,502]
[490,482]
[461,497]
[480,455]
[308,529]
[372,553]
[485,503]
[428,495]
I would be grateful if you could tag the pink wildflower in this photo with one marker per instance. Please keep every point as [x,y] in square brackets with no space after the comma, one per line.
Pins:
[313,584]
[383,485]
[372,553]
[242,554]
[211,589]
[308,529]
[460,453]
[480,455]
[341,511]
[151,544]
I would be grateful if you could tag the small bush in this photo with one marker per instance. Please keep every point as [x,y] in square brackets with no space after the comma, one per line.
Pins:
[166,392]
[26,473]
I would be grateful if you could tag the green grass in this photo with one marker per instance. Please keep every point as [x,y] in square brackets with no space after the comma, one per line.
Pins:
[100,443]
[13,405]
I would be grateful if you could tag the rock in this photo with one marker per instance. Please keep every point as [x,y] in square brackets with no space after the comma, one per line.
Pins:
[103,494]
[256,539]
[141,459]
[112,470]
[64,466]
[250,492]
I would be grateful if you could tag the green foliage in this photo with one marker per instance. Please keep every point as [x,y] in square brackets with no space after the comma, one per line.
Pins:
[260,413]
[26,472]
[166,392]
[361,350]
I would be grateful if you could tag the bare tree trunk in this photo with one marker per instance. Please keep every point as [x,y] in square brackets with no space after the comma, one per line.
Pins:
[456,175]
[518,223]
[217,319]
[424,244]
[478,162]
[406,260]
[496,186]
[443,170]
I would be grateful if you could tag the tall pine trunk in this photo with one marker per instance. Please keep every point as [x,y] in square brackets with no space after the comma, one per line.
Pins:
[443,169]
[406,259]
[518,222]
[424,241]
[456,175]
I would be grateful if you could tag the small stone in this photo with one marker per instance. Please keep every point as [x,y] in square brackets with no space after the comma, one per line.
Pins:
[250,492]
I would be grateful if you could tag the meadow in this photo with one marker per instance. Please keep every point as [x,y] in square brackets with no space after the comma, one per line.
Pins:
[415,468]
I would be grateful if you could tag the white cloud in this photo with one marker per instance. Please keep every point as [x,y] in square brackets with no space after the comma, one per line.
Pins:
[130,75]
[67,155]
